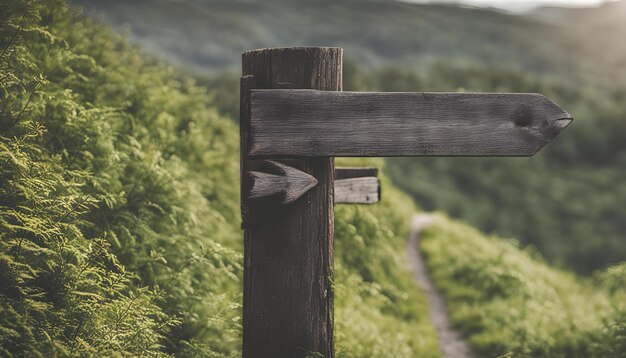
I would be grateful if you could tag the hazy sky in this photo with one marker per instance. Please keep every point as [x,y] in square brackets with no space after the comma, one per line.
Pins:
[517,5]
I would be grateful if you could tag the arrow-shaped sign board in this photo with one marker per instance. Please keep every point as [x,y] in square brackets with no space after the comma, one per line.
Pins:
[312,123]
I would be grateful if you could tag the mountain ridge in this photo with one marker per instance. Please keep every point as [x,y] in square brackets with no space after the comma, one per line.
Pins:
[374,32]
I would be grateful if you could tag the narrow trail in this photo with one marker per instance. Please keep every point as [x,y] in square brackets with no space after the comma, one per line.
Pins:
[451,343]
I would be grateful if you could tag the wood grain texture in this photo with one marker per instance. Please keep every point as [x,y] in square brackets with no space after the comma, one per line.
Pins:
[364,190]
[245,85]
[355,172]
[354,124]
[287,182]
[288,249]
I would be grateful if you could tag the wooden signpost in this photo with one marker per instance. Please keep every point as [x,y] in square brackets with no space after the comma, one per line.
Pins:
[294,120]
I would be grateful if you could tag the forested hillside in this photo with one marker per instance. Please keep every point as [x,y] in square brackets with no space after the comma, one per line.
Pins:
[567,201]
[206,35]
[596,33]
[119,210]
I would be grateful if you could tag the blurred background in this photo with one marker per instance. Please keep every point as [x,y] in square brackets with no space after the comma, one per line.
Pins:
[568,201]
[120,226]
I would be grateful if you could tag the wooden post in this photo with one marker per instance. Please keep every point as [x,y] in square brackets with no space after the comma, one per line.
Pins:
[288,249]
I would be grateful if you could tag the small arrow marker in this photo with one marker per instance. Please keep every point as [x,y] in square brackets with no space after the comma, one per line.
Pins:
[289,182]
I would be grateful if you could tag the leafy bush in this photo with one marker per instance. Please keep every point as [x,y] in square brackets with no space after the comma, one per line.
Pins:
[379,310]
[508,300]
[119,210]
[571,191]
[116,202]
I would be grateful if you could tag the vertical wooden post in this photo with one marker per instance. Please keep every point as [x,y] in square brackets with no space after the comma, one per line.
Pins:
[288,249]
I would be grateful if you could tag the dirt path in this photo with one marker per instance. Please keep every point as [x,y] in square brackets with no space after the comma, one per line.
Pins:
[451,343]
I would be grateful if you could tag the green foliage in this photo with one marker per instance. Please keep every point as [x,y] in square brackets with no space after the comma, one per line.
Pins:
[571,191]
[613,278]
[116,200]
[119,210]
[119,222]
[379,310]
[578,179]
[210,35]
[611,341]
[508,300]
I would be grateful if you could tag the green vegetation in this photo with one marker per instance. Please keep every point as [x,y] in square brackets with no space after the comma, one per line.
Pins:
[509,300]
[109,240]
[201,36]
[380,312]
[567,201]
[119,222]
[119,212]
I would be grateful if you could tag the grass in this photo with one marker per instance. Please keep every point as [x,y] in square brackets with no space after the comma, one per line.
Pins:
[508,300]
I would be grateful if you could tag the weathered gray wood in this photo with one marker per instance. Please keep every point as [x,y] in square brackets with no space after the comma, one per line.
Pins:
[288,249]
[355,172]
[364,190]
[319,123]
[288,182]
[352,185]
[246,84]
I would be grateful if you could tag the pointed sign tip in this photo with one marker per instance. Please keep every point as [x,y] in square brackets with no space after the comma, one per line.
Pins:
[559,117]
[298,188]
[564,122]
[557,125]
